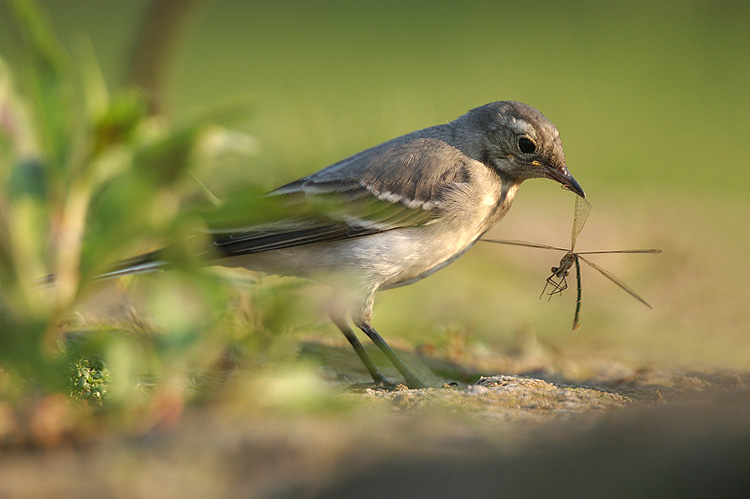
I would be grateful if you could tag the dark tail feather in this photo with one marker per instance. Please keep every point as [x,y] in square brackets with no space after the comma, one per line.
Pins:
[148,262]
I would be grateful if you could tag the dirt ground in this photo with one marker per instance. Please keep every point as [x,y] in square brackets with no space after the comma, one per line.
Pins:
[623,433]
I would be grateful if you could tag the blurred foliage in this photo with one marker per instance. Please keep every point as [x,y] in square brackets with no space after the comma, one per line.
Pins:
[89,177]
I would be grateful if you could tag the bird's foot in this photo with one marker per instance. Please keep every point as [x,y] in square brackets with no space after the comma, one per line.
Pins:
[381,384]
[387,385]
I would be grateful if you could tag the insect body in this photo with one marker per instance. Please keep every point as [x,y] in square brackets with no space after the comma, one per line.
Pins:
[557,281]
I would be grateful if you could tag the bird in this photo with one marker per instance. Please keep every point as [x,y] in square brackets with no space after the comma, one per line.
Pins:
[393,214]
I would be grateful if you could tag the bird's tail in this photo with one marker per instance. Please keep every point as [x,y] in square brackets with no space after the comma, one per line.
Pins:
[141,264]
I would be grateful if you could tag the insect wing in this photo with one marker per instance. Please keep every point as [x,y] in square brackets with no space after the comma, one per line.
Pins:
[609,275]
[582,210]
[523,243]
[619,251]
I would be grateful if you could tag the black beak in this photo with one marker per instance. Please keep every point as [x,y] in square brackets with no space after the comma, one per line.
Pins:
[567,180]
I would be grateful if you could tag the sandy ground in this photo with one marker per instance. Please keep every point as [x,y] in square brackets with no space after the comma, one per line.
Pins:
[641,433]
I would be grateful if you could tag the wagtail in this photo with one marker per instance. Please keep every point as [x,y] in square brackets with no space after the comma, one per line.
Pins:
[396,213]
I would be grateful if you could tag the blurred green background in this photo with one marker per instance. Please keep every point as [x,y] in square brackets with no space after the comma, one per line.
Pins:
[651,99]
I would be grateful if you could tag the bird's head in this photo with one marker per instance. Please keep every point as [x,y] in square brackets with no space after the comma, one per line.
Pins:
[520,143]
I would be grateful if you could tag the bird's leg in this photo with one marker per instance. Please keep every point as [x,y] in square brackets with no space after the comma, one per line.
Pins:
[377,376]
[412,380]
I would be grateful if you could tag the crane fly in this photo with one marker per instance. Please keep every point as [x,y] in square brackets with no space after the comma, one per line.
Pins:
[557,281]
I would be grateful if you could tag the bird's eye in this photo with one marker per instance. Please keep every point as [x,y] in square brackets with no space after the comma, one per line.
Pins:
[526,145]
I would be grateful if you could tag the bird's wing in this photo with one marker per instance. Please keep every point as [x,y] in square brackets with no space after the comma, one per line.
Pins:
[331,220]
[388,187]
[413,170]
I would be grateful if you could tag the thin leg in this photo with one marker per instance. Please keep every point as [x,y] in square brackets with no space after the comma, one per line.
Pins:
[411,379]
[377,376]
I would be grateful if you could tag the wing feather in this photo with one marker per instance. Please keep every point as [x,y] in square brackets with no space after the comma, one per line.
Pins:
[395,185]
[413,171]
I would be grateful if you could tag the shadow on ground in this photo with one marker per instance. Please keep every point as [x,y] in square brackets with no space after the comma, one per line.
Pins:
[696,448]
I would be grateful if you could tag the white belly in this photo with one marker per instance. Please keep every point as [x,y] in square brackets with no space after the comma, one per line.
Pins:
[388,259]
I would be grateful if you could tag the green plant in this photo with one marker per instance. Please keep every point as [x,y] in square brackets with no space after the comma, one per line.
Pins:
[89,380]
[88,177]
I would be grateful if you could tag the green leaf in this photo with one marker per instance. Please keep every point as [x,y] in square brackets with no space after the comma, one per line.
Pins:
[42,74]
